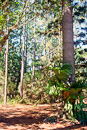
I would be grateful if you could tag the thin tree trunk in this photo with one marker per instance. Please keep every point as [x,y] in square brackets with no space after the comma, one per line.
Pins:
[6,66]
[51,48]
[59,42]
[26,53]
[51,54]
[20,51]
[48,55]
[33,69]
[20,42]
[45,40]
[22,65]
[68,45]
[45,47]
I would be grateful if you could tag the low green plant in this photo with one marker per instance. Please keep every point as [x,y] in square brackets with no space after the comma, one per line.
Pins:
[35,92]
[80,111]
[58,82]
[69,92]
[12,101]
[2,82]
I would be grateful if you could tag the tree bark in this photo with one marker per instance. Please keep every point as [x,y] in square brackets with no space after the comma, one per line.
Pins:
[6,67]
[59,41]
[68,45]
[26,51]
[51,54]
[45,39]
[34,56]
[22,64]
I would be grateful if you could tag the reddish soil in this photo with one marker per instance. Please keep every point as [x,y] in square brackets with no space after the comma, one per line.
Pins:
[27,117]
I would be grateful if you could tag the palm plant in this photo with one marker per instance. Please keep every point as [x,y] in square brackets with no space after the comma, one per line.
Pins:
[70,91]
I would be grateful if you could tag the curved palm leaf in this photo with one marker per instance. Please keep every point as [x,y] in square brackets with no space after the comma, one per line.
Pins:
[62,73]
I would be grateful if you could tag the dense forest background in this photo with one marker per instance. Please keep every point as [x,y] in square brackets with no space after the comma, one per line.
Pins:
[31,41]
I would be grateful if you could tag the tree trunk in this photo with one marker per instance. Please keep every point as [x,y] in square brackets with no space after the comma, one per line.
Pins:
[45,47]
[22,65]
[26,52]
[44,50]
[59,42]
[20,43]
[68,45]
[6,66]
[51,54]
[33,69]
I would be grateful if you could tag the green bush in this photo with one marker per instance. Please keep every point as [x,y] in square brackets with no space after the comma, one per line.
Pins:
[13,100]
[36,91]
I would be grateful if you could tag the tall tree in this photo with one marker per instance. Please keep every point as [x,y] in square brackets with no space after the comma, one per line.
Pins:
[45,38]
[22,64]
[25,68]
[59,38]
[34,54]
[6,66]
[67,26]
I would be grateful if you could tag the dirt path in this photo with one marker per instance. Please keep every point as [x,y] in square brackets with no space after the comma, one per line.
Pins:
[27,117]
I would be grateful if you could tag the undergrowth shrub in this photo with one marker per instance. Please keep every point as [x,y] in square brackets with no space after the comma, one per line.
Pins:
[13,100]
[1,85]
[36,91]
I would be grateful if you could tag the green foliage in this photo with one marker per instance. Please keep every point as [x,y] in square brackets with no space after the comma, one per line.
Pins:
[75,94]
[81,64]
[79,19]
[35,91]
[68,107]
[75,91]
[79,84]
[59,86]
[12,89]
[1,84]
[59,78]
[80,111]
[14,67]
[63,73]
[14,100]
[1,78]
[23,101]
[2,65]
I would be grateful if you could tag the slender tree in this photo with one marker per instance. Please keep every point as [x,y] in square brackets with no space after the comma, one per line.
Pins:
[25,70]
[6,66]
[67,26]
[45,38]
[51,54]
[59,39]
[22,64]
[34,54]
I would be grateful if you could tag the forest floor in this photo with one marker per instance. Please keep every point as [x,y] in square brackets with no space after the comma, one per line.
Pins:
[28,117]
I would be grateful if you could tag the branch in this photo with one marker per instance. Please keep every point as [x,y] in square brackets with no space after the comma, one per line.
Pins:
[5,37]
[15,26]
[27,21]
[4,4]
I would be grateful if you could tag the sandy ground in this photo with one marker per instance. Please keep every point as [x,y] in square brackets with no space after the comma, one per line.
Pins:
[27,117]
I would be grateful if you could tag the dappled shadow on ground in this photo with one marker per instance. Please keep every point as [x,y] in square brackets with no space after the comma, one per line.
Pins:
[27,117]
[23,120]
[23,116]
[73,127]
